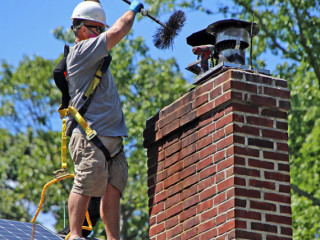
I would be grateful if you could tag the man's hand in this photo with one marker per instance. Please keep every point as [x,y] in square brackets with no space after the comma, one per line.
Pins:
[136,6]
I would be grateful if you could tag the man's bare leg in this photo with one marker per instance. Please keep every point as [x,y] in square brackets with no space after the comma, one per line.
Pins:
[110,212]
[77,206]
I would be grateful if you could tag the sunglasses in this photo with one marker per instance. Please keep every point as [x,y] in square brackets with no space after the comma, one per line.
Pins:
[78,24]
[99,29]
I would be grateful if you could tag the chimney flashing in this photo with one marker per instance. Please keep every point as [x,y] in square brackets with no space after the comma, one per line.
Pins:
[224,66]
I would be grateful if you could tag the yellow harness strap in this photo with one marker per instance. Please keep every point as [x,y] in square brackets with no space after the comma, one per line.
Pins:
[82,122]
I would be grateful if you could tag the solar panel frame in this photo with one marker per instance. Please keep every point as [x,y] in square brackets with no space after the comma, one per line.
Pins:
[15,230]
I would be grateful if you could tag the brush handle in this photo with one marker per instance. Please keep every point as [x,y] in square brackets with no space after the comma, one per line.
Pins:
[144,12]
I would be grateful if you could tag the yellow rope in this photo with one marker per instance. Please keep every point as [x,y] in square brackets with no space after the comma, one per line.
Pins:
[42,200]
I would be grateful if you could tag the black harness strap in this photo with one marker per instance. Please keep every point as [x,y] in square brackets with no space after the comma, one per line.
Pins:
[62,84]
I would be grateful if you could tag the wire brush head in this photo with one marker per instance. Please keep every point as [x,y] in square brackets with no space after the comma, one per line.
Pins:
[164,36]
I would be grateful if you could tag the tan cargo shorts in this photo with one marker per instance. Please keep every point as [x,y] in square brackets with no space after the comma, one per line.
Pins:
[92,171]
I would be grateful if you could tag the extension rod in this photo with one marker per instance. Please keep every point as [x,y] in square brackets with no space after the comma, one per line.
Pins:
[145,13]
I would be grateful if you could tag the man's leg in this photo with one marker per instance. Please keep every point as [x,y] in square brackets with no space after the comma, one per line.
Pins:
[77,205]
[110,212]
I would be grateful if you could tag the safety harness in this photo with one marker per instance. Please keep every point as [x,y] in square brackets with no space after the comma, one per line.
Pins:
[59,75]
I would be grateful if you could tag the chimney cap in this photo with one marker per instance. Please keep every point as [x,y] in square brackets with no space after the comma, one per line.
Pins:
[214,28]
[208,35]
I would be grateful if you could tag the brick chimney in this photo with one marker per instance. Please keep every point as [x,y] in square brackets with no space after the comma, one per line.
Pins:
[218,163]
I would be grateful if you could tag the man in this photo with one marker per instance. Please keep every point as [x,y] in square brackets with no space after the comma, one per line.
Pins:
[97,176]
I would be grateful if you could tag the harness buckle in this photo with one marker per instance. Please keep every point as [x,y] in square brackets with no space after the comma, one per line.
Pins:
[91,134]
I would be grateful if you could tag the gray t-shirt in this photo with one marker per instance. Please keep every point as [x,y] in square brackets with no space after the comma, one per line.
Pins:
[104,113]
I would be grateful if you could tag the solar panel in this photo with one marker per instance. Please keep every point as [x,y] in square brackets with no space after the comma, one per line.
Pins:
[14,230]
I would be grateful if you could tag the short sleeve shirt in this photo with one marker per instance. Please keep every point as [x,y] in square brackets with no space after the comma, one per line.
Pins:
[104,113]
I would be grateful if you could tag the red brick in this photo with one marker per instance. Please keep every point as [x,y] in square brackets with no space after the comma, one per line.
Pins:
[175,199]
[207,193]
[224,121]
[187,151]
[204,205]
[172,149]
[174,231]
[189,234]
[274,113]
[203,227]
[205,109]
[171,180]
[188,118]
[188,213]
[204,88]
[154,230]
[203,184]
[204,163]
[249,193]
[208,172]
[194,158]
[277,197]
[248,214]
[276,156]
[248,235]
[174,210]
[208,151]
[246,151]
[225,184]
[200,101]
[189,202]
[277,92]
[221,218]
[174,189]
[156,208]
[226,227]
[224,207]
[277,176]
[223,99]
[188,192]
[173,169]
[274,134]
[278,219]
[209,234]
[210,214]
[191,222]
[204,142]
[249,130]
[191,180]
[262,184]
[170,127]
[188,171]
[239,85]
[261,164]
[189,140]
[207,130]
[263,227]
[263,206]
[215,92]
[245,108]
[219,134]
[162,236]
[246,171]
[225,142]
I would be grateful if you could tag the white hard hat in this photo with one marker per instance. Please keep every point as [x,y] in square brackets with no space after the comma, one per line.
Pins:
[89,10]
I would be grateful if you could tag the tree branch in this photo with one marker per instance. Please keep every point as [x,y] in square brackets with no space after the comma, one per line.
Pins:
[300,192]
[303,41]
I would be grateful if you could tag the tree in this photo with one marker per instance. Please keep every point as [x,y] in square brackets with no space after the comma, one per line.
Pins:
[31,150]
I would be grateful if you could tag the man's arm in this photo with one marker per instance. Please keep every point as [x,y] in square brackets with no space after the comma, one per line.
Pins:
[123,25]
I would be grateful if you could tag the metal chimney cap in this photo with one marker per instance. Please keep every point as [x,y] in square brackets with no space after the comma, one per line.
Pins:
[216,27]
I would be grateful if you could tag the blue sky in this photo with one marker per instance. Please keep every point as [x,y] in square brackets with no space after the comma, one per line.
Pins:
[27,29]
